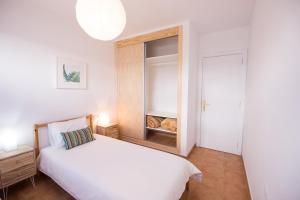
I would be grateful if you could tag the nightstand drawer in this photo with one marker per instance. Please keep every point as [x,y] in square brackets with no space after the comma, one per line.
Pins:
[109,130]
[16,162]
[114,135]
[113,130]
[17,175]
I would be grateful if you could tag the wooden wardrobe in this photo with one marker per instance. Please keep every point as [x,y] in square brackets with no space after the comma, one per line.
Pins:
[139,61]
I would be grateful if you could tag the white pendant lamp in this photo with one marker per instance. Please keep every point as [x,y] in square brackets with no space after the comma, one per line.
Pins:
[101,19]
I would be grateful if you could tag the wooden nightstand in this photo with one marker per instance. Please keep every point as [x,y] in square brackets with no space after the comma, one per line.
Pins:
[16,166]
[111,130]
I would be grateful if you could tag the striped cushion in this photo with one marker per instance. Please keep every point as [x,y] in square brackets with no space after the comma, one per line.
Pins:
[78,137]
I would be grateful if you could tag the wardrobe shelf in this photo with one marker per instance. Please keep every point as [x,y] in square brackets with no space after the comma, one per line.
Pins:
[172,58]
[162,130]
[162,114]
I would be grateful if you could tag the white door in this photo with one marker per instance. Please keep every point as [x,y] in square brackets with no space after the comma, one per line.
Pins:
[223,88]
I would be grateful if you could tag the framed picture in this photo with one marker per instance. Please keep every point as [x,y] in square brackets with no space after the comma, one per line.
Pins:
[71,74]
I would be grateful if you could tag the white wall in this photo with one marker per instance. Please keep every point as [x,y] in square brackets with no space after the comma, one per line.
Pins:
[30,40]
[161,75]
[224,41]
[219,43]
[161,84]
[272,135]
[193,87]
[189,75]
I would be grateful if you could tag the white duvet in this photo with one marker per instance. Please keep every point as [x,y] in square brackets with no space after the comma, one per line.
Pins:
[110,169]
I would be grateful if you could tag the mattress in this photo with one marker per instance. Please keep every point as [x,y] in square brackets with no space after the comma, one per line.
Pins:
[111,169]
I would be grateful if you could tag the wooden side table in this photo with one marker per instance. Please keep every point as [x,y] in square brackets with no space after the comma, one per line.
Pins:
[111,130]
[16,166]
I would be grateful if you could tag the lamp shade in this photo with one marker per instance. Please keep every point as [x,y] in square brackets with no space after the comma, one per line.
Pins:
[103,119]
[9,140]
[101,19]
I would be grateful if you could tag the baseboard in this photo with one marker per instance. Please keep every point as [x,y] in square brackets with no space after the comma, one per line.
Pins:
[247,177]
[189,153]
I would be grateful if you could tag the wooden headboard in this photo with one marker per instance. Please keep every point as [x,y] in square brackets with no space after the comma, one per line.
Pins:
[89,119]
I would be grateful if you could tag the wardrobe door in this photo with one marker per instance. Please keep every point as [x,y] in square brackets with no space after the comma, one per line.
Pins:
[130,70]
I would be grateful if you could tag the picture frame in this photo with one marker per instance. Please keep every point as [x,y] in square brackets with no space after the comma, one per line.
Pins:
[71,74]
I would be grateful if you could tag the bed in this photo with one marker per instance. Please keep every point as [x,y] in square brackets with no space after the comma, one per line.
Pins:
[111,169]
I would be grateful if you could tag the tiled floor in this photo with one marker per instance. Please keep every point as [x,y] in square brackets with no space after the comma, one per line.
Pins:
[224,176]
[224,179]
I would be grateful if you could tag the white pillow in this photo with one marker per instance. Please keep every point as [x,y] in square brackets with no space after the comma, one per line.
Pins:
[55,130]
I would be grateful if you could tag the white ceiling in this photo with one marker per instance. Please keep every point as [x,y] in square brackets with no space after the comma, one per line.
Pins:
[143,15]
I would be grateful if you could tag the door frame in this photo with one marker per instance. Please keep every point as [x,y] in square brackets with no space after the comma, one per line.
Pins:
[244,54]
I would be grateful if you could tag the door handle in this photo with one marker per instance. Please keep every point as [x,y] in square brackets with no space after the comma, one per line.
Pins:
[204,105]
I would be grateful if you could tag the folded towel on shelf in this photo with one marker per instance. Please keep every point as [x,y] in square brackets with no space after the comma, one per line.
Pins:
[169,124]
[153,122]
